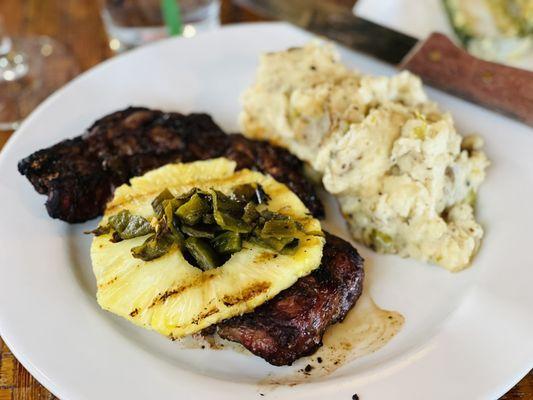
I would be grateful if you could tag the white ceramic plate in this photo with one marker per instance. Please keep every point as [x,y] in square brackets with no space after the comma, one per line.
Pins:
[466,336]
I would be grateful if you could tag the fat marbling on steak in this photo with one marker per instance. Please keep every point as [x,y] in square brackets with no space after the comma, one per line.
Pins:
[292,324]
[79,175]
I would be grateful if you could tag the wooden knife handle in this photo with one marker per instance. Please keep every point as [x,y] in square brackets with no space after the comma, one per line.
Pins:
[442,64]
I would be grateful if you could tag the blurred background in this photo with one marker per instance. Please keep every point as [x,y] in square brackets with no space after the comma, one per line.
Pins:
[46,43]
[79,34]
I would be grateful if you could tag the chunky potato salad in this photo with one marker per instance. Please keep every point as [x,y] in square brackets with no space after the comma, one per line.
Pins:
[405,179]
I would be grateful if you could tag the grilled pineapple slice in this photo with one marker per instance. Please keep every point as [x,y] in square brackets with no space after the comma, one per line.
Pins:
[175,298]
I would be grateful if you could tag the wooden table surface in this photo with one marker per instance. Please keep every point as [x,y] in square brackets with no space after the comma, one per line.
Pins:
[77,24]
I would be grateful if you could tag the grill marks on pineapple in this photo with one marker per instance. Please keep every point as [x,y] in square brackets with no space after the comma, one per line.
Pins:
[169,293]
[121,277]
[109,282]
[202,278]
[205,314]
[243,296]
[134,313]
[246,294]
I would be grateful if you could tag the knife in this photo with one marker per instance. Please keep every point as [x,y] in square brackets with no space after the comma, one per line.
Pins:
[437,60]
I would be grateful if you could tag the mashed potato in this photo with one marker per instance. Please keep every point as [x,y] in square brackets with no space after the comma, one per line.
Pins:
[405,180]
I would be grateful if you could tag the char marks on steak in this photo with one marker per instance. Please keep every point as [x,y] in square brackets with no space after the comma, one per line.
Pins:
[292,324]
[79,175]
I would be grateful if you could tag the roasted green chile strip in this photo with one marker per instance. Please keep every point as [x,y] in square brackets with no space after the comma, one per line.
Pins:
[280,228]
[200,231]
[228,213]
[99,230]
[271,242]
[228,243]
[193,210]
[153,247]
[129,226]
[169,208]
[202,252]
[157,203]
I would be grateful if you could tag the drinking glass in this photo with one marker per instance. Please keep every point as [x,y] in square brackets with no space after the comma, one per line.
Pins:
[130,23]
[31,68]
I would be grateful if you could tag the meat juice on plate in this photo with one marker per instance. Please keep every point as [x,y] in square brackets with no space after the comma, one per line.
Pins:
[366,329]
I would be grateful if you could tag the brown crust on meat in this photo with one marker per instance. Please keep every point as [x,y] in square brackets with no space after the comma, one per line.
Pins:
[292,324]
[79,175]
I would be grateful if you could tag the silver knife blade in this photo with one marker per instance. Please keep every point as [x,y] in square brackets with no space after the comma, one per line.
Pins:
[337,23]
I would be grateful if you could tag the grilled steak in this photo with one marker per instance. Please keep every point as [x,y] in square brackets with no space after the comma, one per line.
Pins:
[79,175]
[292,324]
